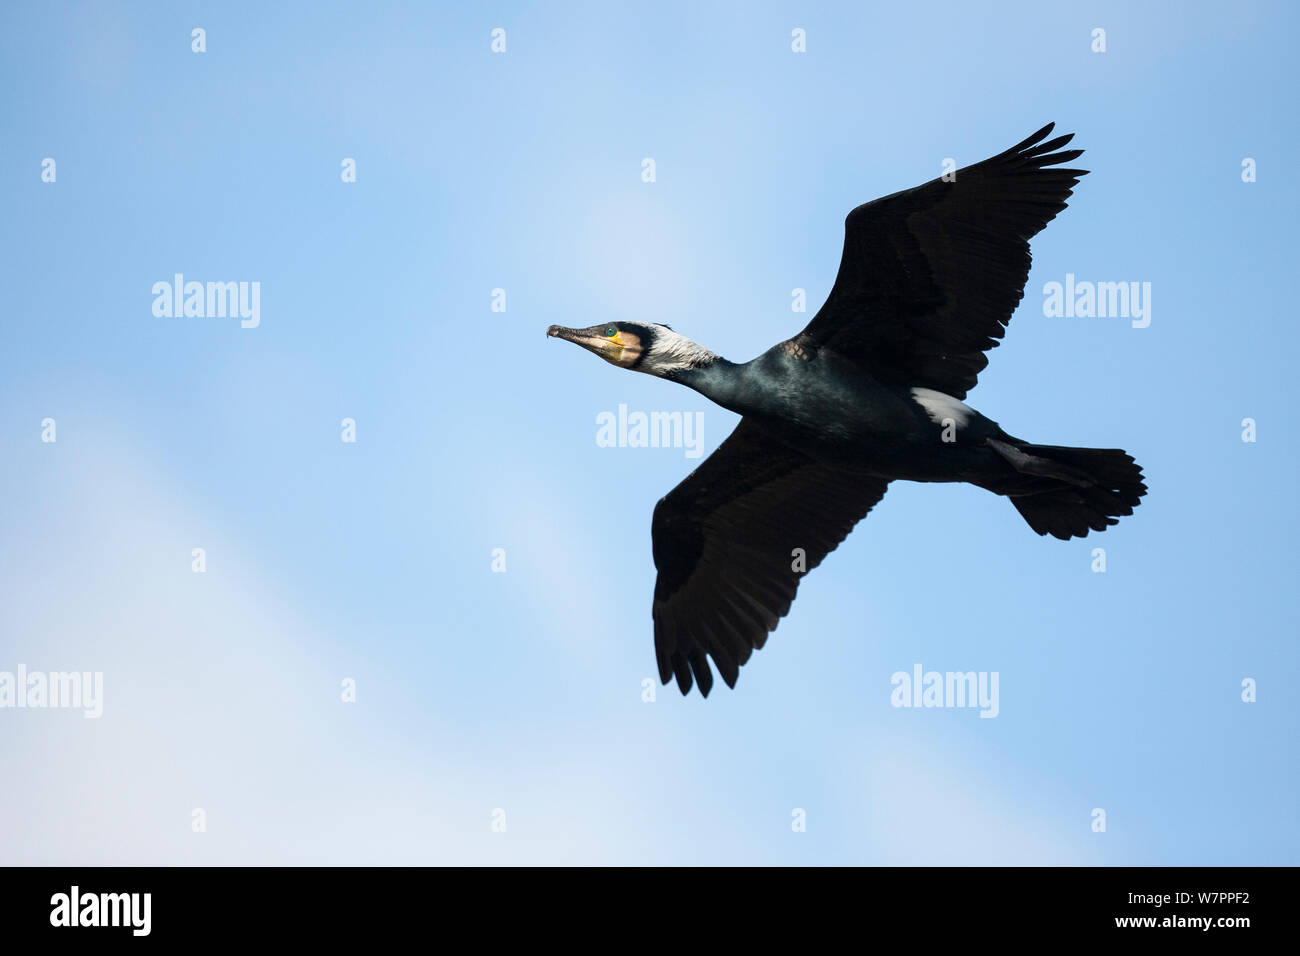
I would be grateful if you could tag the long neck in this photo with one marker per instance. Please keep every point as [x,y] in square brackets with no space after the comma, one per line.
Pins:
[719,381]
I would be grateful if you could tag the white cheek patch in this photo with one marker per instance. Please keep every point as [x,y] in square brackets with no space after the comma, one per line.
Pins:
[672,352]
[940,406]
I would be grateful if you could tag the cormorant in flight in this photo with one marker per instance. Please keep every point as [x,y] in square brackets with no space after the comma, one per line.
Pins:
[871,391]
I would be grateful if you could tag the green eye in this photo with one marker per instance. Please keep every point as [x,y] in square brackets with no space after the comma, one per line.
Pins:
[611,331]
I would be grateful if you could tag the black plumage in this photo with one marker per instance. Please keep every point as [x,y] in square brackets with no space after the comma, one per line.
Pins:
[929,276]
[723,545]
[868,393]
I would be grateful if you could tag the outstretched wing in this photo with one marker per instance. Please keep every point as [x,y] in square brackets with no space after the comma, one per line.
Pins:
[724,542]
[929,276]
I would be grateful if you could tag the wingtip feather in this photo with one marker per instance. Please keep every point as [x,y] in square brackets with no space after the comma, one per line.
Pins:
[1032,139]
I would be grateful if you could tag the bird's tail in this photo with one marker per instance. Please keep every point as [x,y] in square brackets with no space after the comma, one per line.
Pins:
[1066,492]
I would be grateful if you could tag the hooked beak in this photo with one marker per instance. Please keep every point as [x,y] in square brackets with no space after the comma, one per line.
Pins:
[592,339]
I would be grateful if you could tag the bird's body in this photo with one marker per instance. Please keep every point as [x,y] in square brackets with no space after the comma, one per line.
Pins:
[872,391]
[829,409]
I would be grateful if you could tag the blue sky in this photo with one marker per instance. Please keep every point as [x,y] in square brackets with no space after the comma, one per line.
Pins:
[521,691]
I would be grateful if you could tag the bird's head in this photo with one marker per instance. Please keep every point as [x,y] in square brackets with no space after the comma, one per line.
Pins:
[643,347]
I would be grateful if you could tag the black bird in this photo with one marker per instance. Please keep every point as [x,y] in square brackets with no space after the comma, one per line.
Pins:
[871,391]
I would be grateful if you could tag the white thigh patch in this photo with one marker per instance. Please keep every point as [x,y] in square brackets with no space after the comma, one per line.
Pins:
[940,406]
